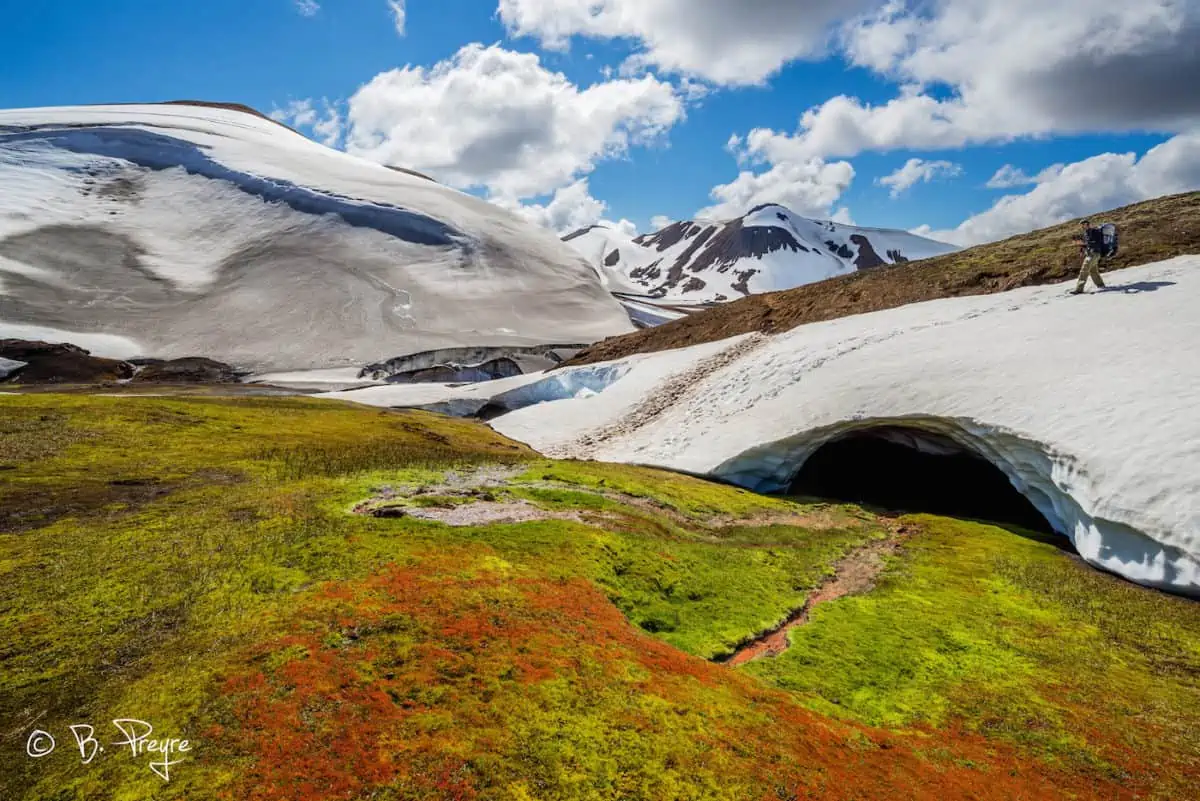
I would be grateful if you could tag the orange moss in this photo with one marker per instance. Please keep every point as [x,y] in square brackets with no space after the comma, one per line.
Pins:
[417,679]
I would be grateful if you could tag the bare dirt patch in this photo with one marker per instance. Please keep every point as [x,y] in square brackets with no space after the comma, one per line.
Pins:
[464,498]
[25,507]
[817,518]
[854,574]
[479,497]
[482,513]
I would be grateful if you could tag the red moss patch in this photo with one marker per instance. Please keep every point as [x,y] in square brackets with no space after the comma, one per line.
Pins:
[438,684]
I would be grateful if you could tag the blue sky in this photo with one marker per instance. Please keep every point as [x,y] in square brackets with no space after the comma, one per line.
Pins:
[652,139]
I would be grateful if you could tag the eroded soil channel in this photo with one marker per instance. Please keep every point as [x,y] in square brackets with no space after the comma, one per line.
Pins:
[479,497]
[854,574]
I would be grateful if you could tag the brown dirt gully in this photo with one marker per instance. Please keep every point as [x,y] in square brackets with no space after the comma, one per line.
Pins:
[854,574]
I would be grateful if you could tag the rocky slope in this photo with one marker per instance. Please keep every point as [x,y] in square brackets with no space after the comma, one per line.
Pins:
[26,364]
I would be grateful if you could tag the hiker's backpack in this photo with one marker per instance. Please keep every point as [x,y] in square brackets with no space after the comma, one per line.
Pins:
[1109,248]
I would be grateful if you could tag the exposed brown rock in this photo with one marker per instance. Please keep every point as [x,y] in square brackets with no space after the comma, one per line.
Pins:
[667,238]
[736,241]
[743,283]
[867,257]
[227,106]
[698,242]
[651,271]
[713,247]
[841,251]
[407,171]
[580,232]
[60,363]
[192,370]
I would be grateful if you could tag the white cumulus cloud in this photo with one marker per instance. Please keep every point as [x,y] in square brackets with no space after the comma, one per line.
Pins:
[842,216]
[808,186]
[1083,65]
[325,124]
[1003,71]
[490,117]
[572,207]
[307,8]
[1083,188]
[917,171]
[730,42]
[1009,176]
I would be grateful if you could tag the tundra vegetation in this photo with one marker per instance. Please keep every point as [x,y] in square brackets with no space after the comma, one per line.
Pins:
[244,573]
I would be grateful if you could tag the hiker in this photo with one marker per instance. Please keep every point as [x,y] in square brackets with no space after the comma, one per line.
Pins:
[1094,247]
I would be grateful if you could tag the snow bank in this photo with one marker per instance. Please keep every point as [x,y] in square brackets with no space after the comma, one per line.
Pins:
[645,313]
[333,380]
[190,230]
[502,395]
[1090,405]
[9,366]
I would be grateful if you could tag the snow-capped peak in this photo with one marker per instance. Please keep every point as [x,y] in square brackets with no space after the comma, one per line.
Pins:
[768,249]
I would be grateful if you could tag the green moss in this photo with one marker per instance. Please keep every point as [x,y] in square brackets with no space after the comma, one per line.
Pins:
[707,597]
[1004,633]
[156,552]
[689,496]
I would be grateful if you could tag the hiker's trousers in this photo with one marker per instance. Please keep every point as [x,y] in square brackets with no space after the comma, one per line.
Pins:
[1090,269]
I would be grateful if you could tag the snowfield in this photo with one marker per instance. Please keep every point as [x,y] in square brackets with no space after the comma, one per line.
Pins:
[1089,405]
[177,230]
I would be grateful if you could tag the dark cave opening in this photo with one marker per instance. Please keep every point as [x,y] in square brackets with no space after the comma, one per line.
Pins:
[903,469]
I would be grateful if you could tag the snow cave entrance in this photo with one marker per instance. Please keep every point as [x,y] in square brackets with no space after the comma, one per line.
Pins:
[911,470]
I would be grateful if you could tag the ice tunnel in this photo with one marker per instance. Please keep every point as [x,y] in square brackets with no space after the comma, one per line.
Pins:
[913,470]
[958,467]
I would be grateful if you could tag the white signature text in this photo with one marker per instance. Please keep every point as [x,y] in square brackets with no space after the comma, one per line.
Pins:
[137,739]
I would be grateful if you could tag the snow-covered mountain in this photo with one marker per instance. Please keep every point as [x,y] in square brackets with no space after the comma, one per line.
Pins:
[609,251]
[769,249]
[192,230]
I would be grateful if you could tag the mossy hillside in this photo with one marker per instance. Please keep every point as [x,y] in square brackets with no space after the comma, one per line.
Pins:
[1000,632]
[313,653]
[704,590]
[133,526]
[483,684]
[697,500]
[120,598]
[648,538]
